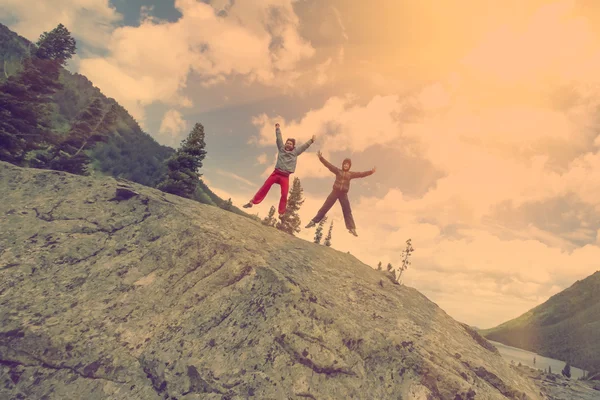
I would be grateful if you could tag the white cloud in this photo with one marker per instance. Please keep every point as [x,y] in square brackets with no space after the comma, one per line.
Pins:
[262,159]
[172,126]
[235,176]
[152,62]
[90,21]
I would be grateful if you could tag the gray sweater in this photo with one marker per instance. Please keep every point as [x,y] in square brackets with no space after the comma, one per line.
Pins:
[286,160]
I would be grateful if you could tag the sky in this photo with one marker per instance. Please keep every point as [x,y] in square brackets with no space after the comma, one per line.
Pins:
[480,116]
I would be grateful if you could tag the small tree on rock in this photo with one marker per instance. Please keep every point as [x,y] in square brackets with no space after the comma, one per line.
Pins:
[319,231]
[567,370]
[328,237]
[290,221]
[379,267]
[270,220]
[389,267]
[228,205]
[405,260]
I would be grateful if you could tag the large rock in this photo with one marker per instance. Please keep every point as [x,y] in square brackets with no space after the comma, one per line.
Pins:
[143,295]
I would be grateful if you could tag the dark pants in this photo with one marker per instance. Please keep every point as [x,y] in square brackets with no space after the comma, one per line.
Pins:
[330,201]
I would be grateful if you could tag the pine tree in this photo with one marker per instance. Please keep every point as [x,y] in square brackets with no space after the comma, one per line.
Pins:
[228,205]
[183,177]
[270,220]
[25,111]
[92,125]
[567,370]
[319,231]
[328,237]
[406,262]
[379,268]
[290,221]
[57,45]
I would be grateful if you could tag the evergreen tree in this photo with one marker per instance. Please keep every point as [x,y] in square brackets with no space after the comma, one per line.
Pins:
[270,220]
[290,221]
[319,231]
[92,125]
[328,237]
[183,177]
[567,370]
[389,267]
[379,268]
[228,205]
[406,262]
[57,45]
[25,111]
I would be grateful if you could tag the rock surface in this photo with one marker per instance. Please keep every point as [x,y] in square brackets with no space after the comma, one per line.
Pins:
[145,295]
[557,387]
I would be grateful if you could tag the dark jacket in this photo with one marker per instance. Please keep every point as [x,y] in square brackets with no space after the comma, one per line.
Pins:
[343,178]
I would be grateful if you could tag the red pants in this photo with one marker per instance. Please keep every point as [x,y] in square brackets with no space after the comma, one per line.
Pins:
[283,181]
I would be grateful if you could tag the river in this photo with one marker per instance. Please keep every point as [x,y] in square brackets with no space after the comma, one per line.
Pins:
[526,358]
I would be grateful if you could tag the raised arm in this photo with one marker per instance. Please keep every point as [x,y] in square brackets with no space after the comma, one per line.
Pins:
[326,163]
[278,138]
[302,148]
[362,174]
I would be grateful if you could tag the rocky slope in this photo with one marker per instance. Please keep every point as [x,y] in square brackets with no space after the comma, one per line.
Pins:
[112,290]
[566,327]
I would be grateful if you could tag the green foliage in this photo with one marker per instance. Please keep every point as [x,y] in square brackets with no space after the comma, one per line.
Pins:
[565,327]
[290,221]
[270,220]
[319,231]
[24,109]
[406,253]
[182,178]
[57,45]
[328,237]
[92,125]
[228,205]
[567,370]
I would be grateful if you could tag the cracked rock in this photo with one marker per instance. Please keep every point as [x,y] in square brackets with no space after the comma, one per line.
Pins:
[155,296]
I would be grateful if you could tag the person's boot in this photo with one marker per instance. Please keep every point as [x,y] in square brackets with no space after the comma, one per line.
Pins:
[248,204]
[310,224]
[353,231]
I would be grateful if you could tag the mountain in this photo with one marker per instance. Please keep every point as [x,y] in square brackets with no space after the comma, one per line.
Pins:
[129,153]
[566,327]
[110,289]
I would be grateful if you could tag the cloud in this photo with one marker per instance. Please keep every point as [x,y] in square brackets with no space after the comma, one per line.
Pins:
[262,159]
[235,176]
[90,21]
[152,62]
[172,125]
[514,124]
[341,124]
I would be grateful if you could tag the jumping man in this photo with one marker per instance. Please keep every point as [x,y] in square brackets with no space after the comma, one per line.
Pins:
[340,192]
[286,165]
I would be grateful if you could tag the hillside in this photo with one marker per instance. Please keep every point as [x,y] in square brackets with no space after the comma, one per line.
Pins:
[115,290]
[566,327]
[130,153]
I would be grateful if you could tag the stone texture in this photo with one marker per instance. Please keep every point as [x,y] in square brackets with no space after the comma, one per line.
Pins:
[112,290]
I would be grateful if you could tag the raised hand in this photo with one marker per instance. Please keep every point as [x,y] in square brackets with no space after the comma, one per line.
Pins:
[319,154]
[314,137]
[374,169]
